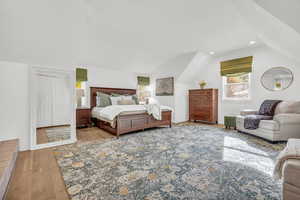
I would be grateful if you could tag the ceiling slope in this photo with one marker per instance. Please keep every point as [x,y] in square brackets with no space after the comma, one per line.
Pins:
[270,29]
[131,35]
[286,11]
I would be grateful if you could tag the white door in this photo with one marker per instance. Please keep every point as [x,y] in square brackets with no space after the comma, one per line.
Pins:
[53,101]
[61,101]
[44,101]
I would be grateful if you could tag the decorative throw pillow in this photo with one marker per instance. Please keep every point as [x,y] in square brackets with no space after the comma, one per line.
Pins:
[128,97]
[135,99]
[132,97]
[288,107]
[268,107]
[115,95]
[114,100]
[126,102]
[102,100]
[98,100]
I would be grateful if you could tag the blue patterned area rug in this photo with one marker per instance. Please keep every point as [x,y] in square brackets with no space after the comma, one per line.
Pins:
[183,162]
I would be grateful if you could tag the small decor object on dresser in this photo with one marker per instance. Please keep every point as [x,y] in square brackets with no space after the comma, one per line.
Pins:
[203,105]
[165,86]
[202,84]
[83,117]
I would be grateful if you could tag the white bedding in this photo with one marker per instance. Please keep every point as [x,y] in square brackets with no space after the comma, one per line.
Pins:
[111,112]
[96,111]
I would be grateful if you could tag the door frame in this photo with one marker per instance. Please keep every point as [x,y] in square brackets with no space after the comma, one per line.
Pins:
[33,71]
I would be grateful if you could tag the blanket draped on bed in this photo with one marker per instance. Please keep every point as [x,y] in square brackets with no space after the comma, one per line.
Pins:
[154,110]
[266,112]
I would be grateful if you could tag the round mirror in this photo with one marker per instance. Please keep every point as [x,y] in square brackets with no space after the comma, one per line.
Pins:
[277,79]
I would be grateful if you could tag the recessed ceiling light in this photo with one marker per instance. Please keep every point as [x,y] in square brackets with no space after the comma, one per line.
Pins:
[252,42]
[211,53]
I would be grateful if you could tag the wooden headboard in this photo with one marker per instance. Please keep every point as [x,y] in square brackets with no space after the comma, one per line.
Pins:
[109,91]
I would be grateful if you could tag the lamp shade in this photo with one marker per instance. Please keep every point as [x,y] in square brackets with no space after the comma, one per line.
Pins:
[79,93]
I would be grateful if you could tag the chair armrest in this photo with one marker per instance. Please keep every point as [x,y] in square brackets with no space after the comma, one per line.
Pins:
[291,172]
[287,118]
[248,112]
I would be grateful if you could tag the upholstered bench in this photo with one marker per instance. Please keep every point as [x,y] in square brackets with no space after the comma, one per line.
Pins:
[230,121]
[8,155]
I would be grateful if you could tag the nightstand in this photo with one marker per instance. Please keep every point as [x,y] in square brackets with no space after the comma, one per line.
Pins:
[83,117]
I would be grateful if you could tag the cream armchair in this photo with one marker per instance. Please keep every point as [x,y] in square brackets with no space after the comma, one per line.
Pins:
[291,181]
[285,124]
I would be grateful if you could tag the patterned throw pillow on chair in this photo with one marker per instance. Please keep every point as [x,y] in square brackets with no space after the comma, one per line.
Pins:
[268,107]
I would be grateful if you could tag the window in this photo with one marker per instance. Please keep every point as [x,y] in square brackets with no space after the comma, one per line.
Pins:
[84,99]
[236,87]
[143,89]
[81,87]
[81,93]
[143,92]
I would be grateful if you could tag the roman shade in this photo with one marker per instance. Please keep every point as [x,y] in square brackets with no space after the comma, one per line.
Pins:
[143,80]
[81,75]
[236,66]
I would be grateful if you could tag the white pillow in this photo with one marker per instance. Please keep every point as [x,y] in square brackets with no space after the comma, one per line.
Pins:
[98,101]
[126,97]
[114,100]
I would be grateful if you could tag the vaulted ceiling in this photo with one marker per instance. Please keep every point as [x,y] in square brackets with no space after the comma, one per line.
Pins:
[133,35]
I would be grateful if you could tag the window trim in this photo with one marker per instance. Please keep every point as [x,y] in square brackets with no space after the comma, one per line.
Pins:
[224,83]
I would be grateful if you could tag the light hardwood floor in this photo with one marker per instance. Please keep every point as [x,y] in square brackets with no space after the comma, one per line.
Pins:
[41,135]
[37,175]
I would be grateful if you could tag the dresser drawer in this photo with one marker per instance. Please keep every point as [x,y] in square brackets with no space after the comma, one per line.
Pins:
[83,117]
[83,113]
[201,92]
[83,120]
[204,116]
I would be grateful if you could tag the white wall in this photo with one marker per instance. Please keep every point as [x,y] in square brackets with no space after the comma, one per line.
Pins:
[100,77]
[174,68]
[14,106]
[111,78]
[14,88]
[264,58]
[181,102]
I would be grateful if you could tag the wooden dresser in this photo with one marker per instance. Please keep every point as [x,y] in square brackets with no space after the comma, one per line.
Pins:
[203,105]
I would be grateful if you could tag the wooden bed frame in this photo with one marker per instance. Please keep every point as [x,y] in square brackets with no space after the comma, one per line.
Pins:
[131,122]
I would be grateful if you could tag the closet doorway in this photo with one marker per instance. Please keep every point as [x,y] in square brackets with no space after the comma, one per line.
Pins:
[52,107]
